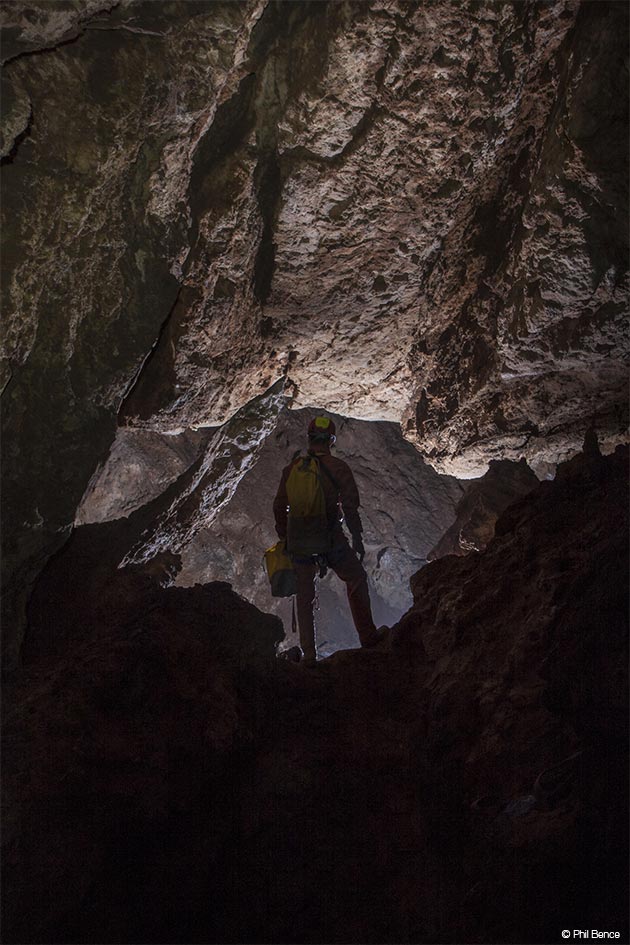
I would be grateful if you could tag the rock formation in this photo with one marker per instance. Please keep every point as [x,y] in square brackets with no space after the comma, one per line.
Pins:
[413,212]
[222,532]
[480,507]
[218,217]
[140,466]
[167,780]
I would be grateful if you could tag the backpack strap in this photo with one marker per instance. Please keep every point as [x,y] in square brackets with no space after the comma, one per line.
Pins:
[332,479]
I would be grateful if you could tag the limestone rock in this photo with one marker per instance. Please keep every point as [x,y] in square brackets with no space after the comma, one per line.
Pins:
[413,212]
[212,481]
[93,247]
[17,115]
[481,506]
[543,289]
[29,26]
[405,507]
[140,466]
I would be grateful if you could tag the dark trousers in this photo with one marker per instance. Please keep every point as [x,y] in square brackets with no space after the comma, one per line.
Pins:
[346,566]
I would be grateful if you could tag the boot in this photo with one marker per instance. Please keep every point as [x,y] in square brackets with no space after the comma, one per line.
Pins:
[309,658]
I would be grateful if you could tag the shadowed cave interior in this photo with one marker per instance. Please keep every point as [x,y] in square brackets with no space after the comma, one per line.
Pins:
[221,220]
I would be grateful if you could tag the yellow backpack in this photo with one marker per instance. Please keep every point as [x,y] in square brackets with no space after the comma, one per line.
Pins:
[280,570]
[308,529]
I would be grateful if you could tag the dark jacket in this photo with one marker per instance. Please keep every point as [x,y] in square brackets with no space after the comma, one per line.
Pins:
[343,496]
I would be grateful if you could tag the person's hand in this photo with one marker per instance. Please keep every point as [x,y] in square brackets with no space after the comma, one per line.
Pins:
[357,547]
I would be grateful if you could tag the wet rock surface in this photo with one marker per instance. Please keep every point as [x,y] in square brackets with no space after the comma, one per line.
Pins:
[409,212]
[168,780]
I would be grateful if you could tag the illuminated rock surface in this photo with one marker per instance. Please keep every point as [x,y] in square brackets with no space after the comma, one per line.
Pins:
[411,212]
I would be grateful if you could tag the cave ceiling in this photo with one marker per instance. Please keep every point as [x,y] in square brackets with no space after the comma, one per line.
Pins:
[412,212]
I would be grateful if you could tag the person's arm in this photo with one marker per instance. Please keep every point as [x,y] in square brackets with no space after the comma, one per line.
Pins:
[280,504]
[349,495]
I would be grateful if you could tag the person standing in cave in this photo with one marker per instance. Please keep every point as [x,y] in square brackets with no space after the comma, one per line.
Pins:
[341,497]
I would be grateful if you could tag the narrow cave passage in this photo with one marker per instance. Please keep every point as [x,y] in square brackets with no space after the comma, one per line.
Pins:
[196,507]
[406,508]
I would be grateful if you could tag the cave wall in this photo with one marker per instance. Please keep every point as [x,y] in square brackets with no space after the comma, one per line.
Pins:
[95,222]
[218,518]
[405,504]
[412,212]
[207,498]
[166,779]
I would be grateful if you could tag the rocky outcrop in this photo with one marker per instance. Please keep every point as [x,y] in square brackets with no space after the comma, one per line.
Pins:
[218,515]
[405,506]
[140,466]
[118,726]
[409,212]
[167,780]
[481,506]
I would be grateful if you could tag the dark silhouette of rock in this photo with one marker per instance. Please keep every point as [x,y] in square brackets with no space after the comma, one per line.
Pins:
[167,780]
[126,713]
[480,507]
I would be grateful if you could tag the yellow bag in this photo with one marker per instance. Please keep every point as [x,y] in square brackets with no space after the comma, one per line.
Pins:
[280,570]
[308,529]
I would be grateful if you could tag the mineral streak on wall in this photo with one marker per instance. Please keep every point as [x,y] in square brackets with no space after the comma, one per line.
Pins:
[414,212]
